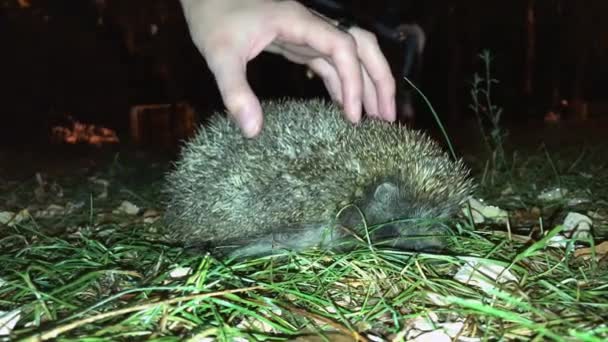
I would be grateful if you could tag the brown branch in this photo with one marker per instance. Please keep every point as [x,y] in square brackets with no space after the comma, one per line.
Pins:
[335,325]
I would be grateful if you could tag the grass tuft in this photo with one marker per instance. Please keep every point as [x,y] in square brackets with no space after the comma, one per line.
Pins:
[96,286]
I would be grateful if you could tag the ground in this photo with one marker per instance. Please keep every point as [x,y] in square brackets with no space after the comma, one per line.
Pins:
[83,256]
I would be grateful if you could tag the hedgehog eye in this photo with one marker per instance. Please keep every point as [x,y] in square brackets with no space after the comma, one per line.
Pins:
[386,192]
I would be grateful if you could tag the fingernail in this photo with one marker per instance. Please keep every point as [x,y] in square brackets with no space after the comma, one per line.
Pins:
[250,126]
[354,112]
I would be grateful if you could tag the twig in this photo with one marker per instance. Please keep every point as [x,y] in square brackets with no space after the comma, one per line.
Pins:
[53,333]
[335,325]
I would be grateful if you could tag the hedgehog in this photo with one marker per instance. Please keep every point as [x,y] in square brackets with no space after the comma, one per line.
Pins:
[311,179]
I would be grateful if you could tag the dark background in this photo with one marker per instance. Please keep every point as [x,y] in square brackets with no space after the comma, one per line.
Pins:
[94,59]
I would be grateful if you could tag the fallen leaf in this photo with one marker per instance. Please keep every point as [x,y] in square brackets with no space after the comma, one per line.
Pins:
[553,194]
[151,216]
[577,200]
[432,336]
[600,250]
[576,226]
[480,211]
[430,328]
[8,320]
[128,208]
[254,324]
[11,219]
[329,336]
[104,186]
[524,217]
[180,272]
[484,275]
[51,211]
[151,213]
[437,299]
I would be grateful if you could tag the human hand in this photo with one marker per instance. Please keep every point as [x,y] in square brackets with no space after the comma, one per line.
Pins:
[230,33]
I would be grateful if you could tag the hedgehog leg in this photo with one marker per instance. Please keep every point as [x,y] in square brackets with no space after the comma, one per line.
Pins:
[295,239]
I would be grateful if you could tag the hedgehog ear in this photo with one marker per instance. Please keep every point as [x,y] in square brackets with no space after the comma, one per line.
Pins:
[386,192]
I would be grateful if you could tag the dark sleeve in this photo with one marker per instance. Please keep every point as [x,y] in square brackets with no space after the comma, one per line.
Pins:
[330,8]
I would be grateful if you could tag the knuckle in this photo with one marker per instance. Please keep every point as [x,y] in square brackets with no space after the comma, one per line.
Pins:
[289,13]
[291,6]
[365,36]
[346,43]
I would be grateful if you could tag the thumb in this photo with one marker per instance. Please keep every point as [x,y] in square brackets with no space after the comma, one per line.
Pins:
[239,99]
